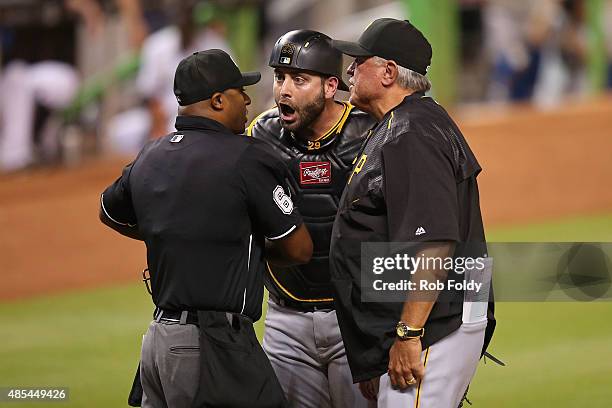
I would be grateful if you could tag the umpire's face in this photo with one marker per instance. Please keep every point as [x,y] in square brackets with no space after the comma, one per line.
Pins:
[235,109]
[300,97]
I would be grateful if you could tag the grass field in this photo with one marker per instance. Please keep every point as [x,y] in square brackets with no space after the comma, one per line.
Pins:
[557,354]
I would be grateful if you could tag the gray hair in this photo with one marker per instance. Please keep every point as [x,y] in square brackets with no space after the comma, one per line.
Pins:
[407,78]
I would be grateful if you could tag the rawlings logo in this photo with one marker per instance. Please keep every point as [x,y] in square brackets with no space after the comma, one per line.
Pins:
[315,172]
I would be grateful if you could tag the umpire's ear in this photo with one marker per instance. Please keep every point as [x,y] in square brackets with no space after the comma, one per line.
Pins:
[217,101]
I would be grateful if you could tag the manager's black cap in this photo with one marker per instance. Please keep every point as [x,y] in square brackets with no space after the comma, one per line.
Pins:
[391,39]
[203,73]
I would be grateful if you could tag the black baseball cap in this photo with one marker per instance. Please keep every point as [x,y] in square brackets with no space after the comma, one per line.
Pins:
[203,73]
[391,39]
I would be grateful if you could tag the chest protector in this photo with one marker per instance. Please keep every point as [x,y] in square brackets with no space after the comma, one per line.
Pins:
[319,171]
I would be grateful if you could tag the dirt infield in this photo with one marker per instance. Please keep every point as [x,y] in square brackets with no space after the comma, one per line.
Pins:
[542,165]
[536,166]
[51,238]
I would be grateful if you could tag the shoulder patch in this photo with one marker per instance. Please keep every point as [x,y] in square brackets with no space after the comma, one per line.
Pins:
[176,138]
[282,200]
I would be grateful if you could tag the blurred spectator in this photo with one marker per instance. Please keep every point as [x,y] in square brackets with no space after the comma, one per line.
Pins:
[38,80]
[537,48]
[560,26]
[25,87]
[513,54]
[196,27]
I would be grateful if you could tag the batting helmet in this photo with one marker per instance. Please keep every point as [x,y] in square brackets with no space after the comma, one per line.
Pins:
[309,51]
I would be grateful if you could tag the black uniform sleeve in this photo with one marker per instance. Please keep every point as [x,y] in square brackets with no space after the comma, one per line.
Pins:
[116,200]
[420,189]
[268,196]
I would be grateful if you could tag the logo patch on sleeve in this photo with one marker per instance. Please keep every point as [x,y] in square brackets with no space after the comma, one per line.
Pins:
[282,200]
[315,173]
[176,138]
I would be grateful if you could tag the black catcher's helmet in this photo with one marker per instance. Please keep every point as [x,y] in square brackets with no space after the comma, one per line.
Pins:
[308,50]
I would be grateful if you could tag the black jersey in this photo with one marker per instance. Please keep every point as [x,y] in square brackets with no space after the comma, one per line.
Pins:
[319,171]
[414,181]
[203,199]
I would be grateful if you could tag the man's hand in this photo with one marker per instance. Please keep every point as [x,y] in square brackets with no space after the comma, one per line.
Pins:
[369,388]
[405,366]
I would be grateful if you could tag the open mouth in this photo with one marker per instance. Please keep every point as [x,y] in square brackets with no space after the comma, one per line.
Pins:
[287,113]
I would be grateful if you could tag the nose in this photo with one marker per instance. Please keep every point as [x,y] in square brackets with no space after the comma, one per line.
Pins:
[285,89]
[247,98]
[351,69]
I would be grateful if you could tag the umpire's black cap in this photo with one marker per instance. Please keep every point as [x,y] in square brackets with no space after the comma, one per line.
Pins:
[203,73]
[391,39]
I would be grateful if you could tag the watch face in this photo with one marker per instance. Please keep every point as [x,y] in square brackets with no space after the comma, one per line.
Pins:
[400,331]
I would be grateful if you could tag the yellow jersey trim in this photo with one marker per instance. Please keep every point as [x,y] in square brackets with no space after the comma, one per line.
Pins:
[249,131]
[337,128]
[390,120]
[291,295]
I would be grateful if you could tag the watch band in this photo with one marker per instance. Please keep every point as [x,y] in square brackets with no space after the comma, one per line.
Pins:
[405,332]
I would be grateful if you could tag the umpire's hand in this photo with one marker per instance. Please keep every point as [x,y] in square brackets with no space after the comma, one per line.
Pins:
[405,365]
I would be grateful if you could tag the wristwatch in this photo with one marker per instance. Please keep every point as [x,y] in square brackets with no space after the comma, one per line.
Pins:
[405,332]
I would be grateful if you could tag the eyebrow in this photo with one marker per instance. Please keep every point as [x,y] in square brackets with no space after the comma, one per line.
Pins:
[292,73]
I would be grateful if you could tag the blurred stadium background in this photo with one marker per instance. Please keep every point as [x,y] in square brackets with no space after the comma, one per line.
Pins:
[84,83]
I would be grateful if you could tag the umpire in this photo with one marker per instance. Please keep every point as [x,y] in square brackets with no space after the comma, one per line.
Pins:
[209,205]
[414,181]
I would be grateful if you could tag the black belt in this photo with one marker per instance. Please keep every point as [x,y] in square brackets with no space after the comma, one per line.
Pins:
[173,316]
[302,306]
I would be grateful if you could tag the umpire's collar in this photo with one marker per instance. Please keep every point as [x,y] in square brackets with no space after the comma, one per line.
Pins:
[184,122]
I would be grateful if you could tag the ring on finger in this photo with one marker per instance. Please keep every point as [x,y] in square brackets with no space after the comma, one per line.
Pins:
[411,381]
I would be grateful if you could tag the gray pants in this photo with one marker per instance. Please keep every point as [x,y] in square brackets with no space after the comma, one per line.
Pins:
[308,357]
[450,365]
[170,365]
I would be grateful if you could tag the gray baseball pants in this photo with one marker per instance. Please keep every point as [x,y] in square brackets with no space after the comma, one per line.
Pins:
[450,365]
[308,357]
[170,365]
